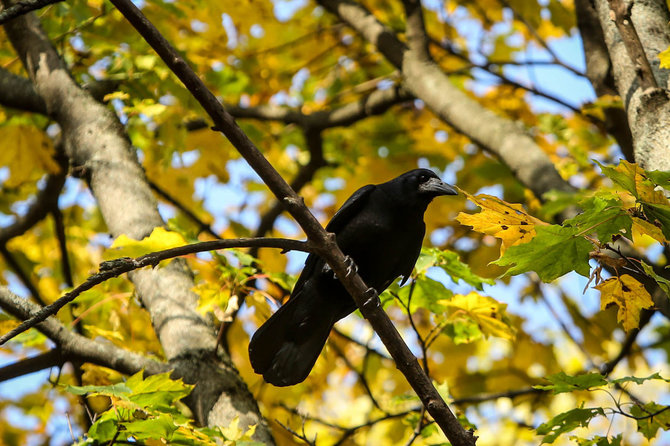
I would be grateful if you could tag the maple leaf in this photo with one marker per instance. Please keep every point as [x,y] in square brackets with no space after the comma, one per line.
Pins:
[485,311]
[629,295]
[555,251]
[507,221]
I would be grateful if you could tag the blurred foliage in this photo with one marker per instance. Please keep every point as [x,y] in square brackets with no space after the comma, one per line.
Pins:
[489,341]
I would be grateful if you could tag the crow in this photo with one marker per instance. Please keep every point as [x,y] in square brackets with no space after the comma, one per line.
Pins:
[380,228]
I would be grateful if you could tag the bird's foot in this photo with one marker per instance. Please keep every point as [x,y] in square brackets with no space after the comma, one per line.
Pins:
[352,268]
[348,262]
[371,299]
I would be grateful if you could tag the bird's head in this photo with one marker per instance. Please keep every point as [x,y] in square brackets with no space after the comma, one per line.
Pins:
[429,184]
[418,187]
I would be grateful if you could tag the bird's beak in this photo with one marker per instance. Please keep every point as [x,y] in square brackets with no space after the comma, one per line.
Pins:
[436,187]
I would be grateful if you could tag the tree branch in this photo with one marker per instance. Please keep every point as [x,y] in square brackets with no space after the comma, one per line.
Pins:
[39,208]
[599,73]
[19,93]
[22,7]
[26,366]
[74,346]
[621,15]
[116,267]
[647,107]
[202,226]
[539,39]
[100,151]
[377,102]
[23,276]
[423,77]
[324,244]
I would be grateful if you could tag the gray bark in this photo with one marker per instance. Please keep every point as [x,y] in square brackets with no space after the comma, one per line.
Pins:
[422,77]
[100,151]
[648,110]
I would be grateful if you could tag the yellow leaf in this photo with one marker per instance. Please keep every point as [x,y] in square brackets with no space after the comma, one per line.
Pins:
[28,152]
[95,331]
[642,227]
[488,313]
[508,222]
[212,297]
[664,56]
[629,295]
[159,240]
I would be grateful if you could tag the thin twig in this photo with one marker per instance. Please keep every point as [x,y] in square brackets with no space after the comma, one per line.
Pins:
[23,7]
[114,268]
[323,244]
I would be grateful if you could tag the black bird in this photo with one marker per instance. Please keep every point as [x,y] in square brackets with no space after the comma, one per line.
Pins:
[380,227]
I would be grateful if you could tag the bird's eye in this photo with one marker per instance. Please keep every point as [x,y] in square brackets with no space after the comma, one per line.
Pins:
[423,178]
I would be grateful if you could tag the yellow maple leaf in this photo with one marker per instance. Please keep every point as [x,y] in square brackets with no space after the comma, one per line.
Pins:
[506,221]
[159,240]
[629,295]
[485,311]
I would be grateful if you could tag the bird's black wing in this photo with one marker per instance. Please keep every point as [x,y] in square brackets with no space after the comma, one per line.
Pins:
[350,208]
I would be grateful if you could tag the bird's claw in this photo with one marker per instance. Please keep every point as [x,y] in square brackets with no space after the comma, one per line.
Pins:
[350,265]
[371,299]
[352,268]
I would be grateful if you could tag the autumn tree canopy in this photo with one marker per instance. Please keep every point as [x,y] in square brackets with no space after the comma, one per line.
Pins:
[147,226]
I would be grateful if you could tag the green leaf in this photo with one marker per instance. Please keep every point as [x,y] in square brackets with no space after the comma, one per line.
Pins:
[162,426]
[119,390]
[660,213]
[660,177]
[103,430]
[560,382]
[603,215]
[621,175]
[424,293]
[463,331]
[553,252]
[598,441]
[638,380]
[567,421]
[451,263]
[156,390]
[662,282]
[650,418]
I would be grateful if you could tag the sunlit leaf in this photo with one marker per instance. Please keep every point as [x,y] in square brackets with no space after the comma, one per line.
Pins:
[567,421]
[508,222]
[560,382]
[553,252]
[629,295]
[159,240]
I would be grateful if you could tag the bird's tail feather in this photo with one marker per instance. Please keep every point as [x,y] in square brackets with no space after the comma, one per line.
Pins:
[285,348]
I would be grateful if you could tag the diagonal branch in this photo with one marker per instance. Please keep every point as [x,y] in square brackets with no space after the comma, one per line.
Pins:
[557,60]
[101,152]
[23,7]
[44,201]
[324,244]
[74,346]
[114,268]
[422,77]
[377,102]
